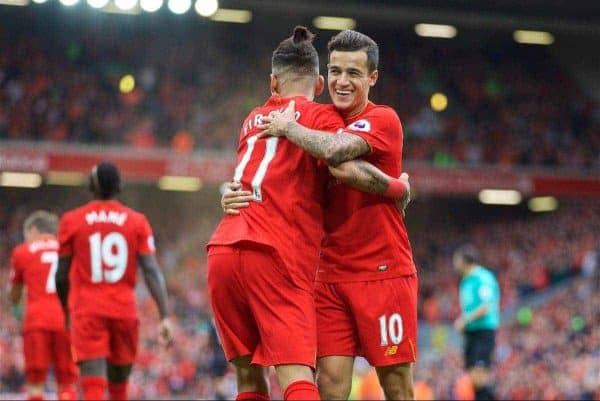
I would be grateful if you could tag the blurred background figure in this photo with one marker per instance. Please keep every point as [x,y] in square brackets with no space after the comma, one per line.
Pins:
[46,341]
[479,296]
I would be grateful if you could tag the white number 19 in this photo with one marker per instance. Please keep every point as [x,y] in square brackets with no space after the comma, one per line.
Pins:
[111,252]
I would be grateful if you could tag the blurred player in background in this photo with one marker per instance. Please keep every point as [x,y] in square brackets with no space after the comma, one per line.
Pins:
[261,265]
[45,338]
[101,244]
[480,305]
[366,293]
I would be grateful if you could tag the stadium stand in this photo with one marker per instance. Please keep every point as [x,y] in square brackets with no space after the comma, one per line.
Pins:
[508,107]
[501,110]
[557,247]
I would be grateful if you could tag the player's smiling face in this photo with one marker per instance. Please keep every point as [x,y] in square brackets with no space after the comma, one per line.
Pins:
[349,80]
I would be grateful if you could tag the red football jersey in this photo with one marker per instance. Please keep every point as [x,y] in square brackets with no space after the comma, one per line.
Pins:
[365,237]
[34,266]
[288,185]
[104,239]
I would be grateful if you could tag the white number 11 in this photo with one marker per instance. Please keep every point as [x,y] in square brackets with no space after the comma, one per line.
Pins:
[271,148]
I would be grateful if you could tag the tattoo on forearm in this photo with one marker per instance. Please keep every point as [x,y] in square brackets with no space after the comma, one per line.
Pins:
[334,149]
[368,178]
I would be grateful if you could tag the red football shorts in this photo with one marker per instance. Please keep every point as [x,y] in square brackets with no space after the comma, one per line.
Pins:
[45,347]
[258,310]
[374,319]
[96,337]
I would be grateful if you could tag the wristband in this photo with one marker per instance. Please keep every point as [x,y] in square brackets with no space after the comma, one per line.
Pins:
[396,189]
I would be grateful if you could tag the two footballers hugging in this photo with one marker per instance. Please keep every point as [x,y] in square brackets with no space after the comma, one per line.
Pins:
[312,266]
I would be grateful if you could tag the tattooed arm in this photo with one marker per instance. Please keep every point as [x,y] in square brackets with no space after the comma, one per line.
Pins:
[365,177]
[334,149]
[362,175]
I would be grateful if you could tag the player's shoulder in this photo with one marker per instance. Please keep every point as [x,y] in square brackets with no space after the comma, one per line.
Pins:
[77,211]
[19,250]
[488,274]
[134,215]
[382,111]
[257,110]
[315,109]
[375,116]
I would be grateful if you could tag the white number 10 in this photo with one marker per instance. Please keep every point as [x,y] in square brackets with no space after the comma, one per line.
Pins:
[394,329]
[111,252]
[271,148]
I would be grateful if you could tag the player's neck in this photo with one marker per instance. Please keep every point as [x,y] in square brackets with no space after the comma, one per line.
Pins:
[356,111]
[469,270]
[294,91]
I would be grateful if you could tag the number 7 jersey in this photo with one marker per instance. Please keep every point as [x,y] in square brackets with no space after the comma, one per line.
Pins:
[288,186]
[104,239]
[33,264]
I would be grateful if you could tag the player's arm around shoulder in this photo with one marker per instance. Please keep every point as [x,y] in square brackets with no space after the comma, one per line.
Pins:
[364,176]
[334,149]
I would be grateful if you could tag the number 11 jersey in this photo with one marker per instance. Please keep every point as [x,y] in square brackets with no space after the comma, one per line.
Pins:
[288,185]
[104,239]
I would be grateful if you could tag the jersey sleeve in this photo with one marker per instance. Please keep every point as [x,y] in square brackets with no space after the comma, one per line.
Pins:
[16,268]
[376,128]
[65,236]
[145,237]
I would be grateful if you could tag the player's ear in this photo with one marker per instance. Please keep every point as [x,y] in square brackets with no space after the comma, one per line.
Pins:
[274,83]
[373,77]
[320,85]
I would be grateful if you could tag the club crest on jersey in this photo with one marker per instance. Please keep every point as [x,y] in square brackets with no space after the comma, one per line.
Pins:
[361,125]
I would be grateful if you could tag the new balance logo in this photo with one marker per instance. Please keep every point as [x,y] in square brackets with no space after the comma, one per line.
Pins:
[391,350]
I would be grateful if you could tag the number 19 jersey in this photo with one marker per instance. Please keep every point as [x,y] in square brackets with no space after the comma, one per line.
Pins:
[288,186]
[104,239]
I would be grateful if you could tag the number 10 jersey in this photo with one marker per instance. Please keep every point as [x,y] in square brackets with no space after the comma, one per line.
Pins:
[104,239]
[288,186]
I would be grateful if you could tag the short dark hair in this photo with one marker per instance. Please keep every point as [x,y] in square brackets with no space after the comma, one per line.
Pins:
[105,180]
[469,253]
[296,54]
[352,41]
[44,221]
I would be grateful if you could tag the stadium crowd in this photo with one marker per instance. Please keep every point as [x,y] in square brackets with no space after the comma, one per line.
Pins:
[551,352]
[192,95]
[527,254]
[196,367]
